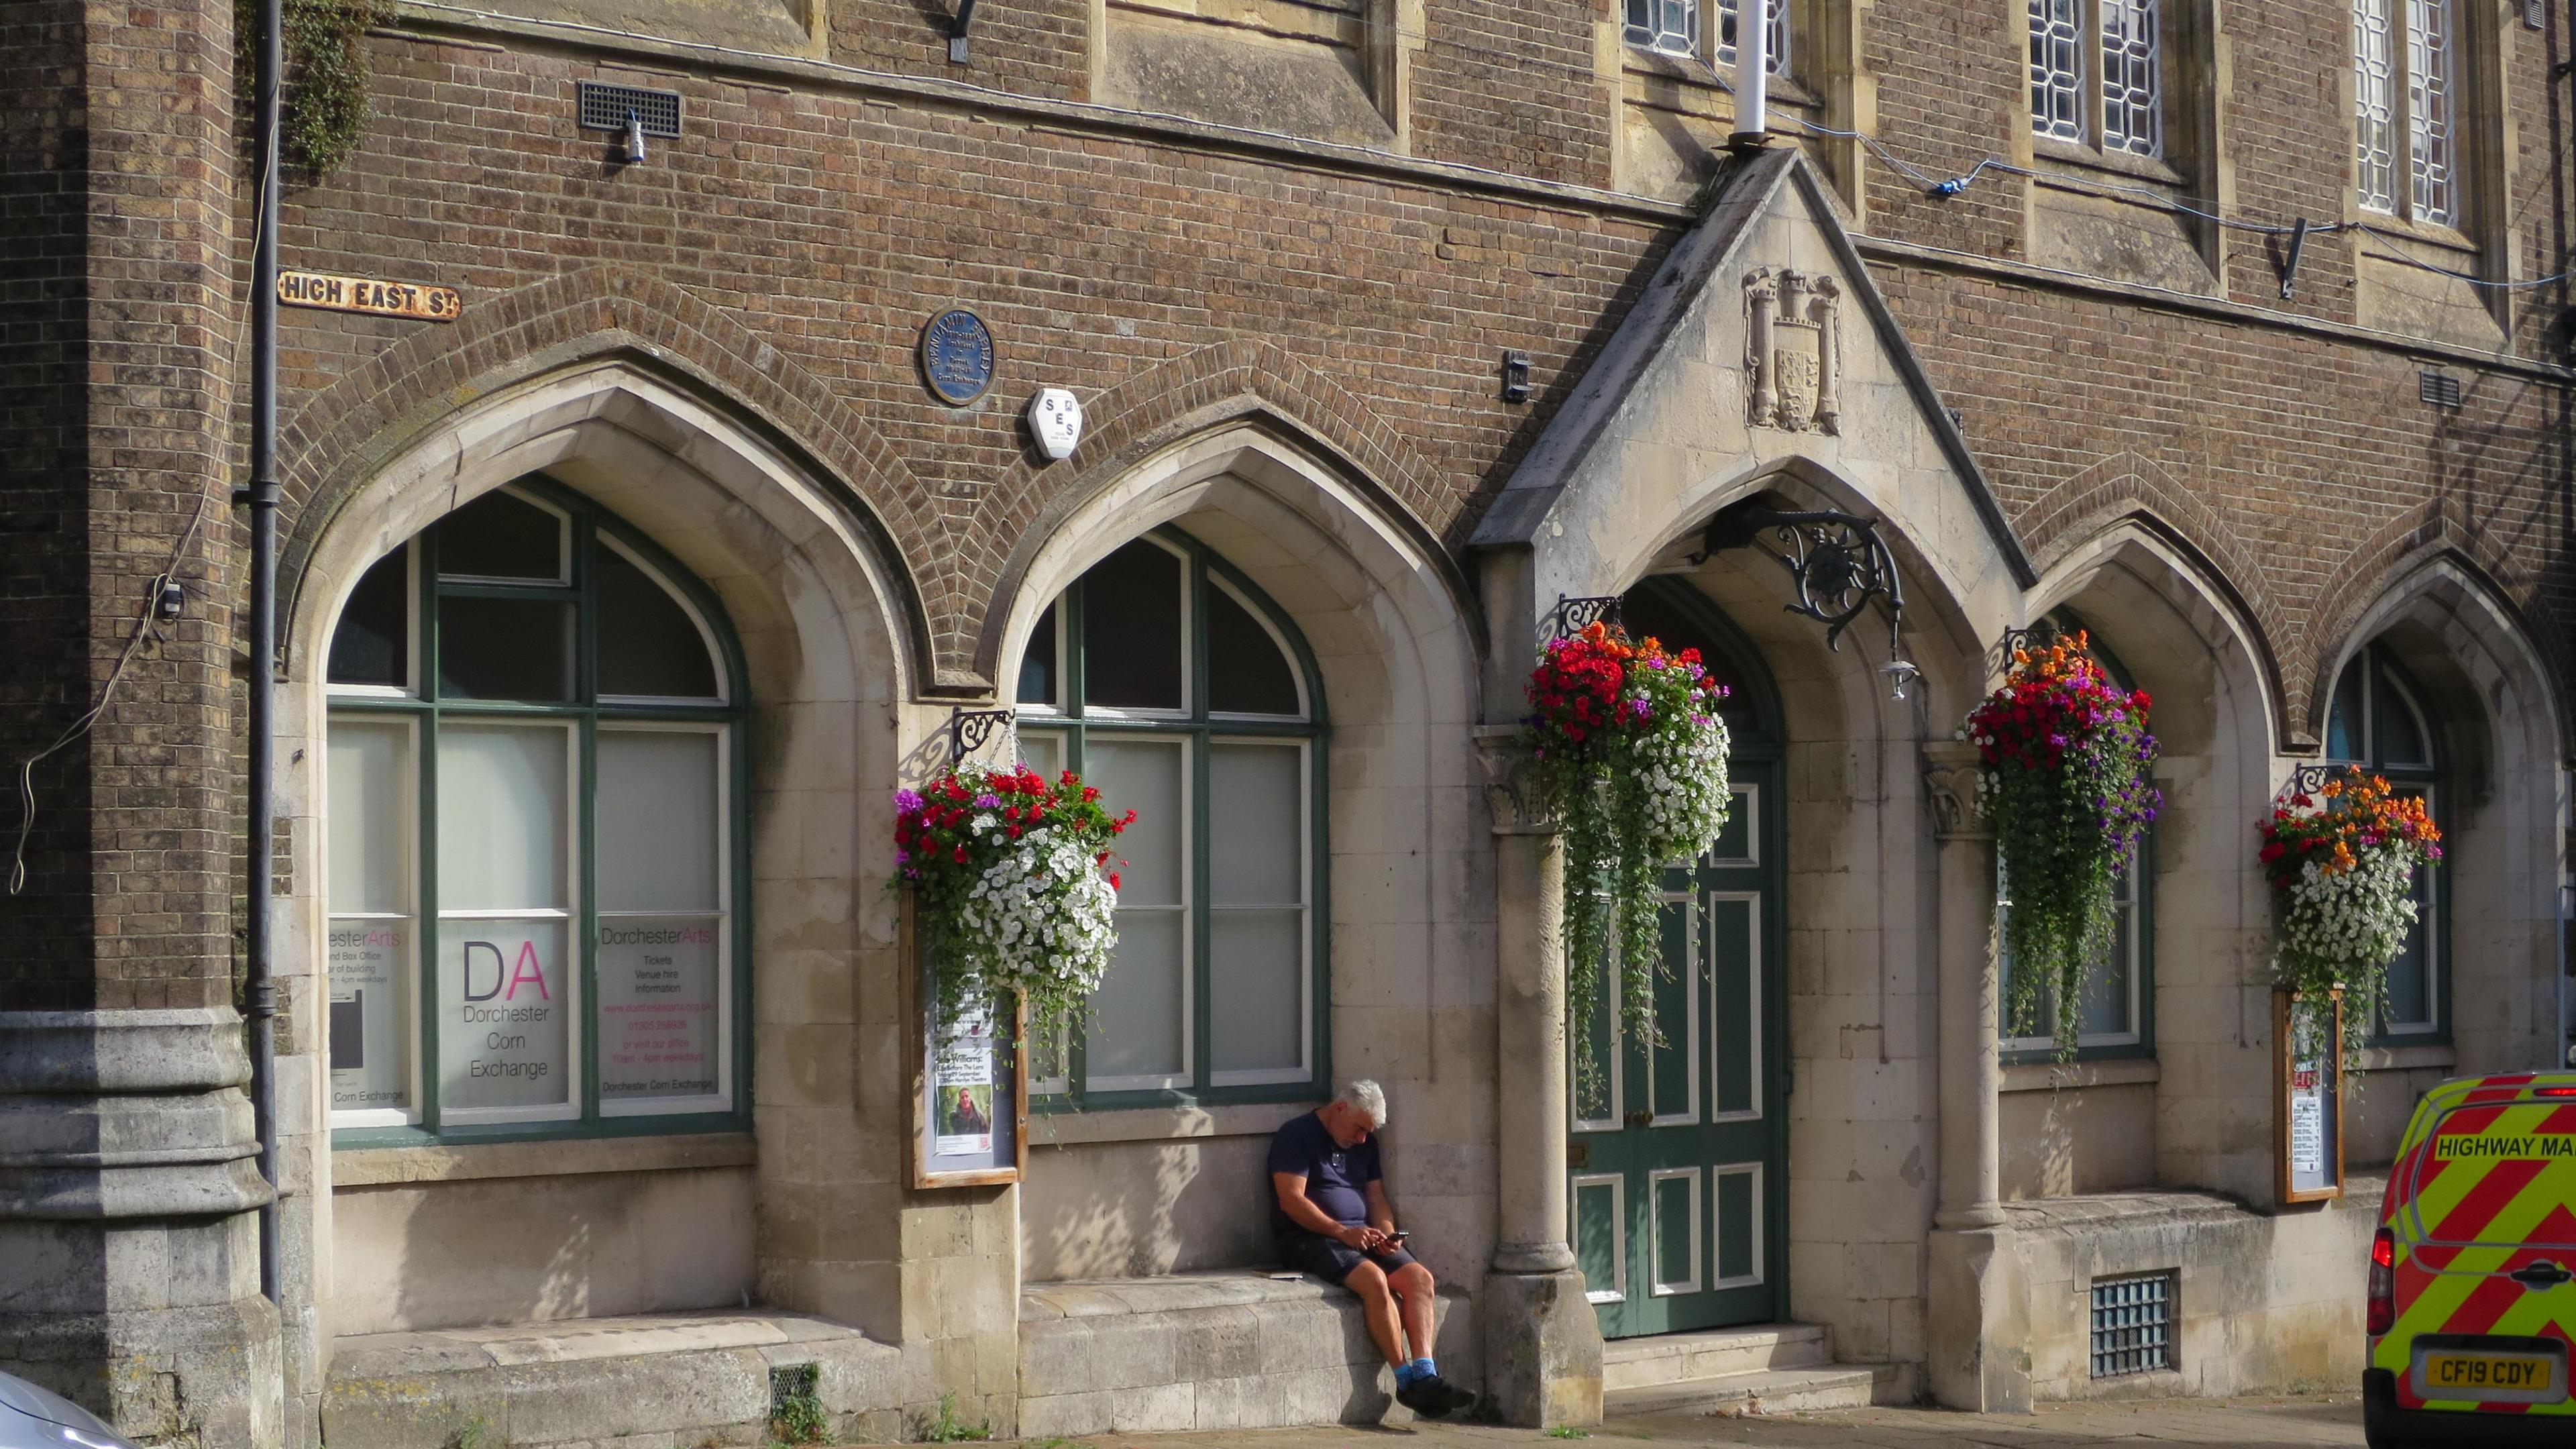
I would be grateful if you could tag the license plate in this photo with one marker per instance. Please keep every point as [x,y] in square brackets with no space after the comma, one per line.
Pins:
[2509,1377]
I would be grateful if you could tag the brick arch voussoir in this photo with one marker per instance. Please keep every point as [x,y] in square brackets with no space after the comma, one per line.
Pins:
[372,414]
[1140,416]
[2401,549]
[2127,487]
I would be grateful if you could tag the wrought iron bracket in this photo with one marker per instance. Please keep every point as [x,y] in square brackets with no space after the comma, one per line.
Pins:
[2306,780]
[1572,615]
[1837,561]
[968,729]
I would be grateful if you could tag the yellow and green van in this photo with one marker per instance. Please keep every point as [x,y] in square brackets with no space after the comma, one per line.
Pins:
[2473,1271]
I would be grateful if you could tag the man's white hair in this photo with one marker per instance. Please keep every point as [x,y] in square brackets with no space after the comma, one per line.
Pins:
[1368,1096]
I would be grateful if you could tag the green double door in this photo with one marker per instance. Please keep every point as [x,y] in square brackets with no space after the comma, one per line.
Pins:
[1679,1155]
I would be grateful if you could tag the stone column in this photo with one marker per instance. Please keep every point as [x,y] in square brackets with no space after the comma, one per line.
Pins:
[129,1245]
[1542,1337]
[1978,1336]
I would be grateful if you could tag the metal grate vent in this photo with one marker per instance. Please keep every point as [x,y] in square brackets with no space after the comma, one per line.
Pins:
[2535,14]
[605,107]
[2439,389]
[2132,1325]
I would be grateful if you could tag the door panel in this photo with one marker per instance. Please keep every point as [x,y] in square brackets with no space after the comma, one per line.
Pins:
[1678,1148]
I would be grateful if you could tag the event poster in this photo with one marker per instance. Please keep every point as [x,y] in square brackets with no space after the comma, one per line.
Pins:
[505,1005]
[660,1017]
[962,1079]
[2310,1101]
[370,1015]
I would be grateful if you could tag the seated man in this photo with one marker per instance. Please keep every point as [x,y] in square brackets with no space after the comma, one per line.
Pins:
[1331,1218]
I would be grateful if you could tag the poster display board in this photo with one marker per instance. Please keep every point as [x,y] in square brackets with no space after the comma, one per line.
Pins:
[969,1086]
[2307,1097]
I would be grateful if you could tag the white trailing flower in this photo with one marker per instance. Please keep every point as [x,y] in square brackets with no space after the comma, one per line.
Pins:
[1681,771]
[1041,918]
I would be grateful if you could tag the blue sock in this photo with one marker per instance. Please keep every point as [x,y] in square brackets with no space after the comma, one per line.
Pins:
[1424,1368]
[1405,1374]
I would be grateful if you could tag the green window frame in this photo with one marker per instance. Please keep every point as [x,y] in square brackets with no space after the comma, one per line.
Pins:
[2128,976]
[1214,751]
[2377,719]
[653,1017]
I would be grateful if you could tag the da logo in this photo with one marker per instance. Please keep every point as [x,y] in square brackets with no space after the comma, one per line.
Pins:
[526,971]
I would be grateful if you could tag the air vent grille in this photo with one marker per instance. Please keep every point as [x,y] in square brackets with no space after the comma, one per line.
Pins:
[2535,14]
[2439,389]
[605,107]
[2132,1325]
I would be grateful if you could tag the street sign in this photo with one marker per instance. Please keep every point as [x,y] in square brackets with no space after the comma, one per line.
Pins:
[371,295]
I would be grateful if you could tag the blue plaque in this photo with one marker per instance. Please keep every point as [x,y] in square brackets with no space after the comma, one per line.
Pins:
[957,356]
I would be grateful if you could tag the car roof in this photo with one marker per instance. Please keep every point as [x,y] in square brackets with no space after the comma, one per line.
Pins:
[2500,1087]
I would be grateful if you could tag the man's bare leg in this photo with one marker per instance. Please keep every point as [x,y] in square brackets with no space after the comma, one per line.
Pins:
[1377,1300]
[1413,1284]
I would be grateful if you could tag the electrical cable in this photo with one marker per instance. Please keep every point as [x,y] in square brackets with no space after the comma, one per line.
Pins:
[148,626]
[1956,185]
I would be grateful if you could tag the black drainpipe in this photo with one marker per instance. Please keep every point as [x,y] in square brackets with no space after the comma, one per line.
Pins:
[260,1002]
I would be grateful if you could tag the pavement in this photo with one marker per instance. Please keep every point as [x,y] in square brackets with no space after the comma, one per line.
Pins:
[2292,1422]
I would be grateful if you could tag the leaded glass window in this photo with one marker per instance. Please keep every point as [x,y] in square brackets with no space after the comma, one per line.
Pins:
[2428,109]
[2409,91]
[2377,721]
[2132,78]
[1177,689]
[2056,68]
[533,823]
[1776,16]
[1669,26]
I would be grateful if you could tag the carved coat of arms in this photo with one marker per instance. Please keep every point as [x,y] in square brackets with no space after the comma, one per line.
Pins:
[1790,356]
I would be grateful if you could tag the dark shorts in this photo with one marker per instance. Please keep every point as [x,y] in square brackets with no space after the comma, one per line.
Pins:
[1330,1260]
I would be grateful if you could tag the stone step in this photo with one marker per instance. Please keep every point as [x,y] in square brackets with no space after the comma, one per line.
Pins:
[1664,1358]
[1765,1391]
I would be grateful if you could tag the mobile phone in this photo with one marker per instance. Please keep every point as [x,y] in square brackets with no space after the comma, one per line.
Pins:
[1399,1235]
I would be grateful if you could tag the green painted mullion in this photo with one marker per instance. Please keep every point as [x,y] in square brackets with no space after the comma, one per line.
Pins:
[1319,920]
[425,602]
[1202,931]
[515,709]
[562,593]
[737,821]
[1070,684]
[585,691]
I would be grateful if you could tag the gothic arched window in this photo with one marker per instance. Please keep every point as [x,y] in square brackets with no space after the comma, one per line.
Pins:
[534,821]
[1172,684]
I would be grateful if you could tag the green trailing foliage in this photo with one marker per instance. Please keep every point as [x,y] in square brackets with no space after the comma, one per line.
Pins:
[323,113]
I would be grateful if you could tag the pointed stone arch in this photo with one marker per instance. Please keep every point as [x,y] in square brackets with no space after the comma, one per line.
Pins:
[404,396]
[1229,383]
[2127,490]
[2397,562]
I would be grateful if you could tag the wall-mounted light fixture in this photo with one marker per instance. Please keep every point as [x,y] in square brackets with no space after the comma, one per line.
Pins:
[1837,562]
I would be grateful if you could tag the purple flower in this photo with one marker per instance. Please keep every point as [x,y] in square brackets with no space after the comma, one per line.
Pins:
[906,802]
[1641,708]
[988,802]
[903,857]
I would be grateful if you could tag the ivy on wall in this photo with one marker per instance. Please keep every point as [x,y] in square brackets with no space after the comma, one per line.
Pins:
[324,110]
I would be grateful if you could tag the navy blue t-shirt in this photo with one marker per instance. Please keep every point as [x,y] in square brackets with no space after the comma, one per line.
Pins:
[1334,1174]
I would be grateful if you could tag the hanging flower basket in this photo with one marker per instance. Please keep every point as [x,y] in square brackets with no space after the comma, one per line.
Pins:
[1014,887]
[1632,756]
[2342,866]
[2066,754]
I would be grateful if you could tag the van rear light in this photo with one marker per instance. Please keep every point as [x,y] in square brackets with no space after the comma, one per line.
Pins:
[2553,1091]
[2383,1282]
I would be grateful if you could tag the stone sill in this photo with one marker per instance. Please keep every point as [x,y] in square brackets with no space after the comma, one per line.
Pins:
[462,1162]
[2074,1076]
[2409,1058]
[1162,1124]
